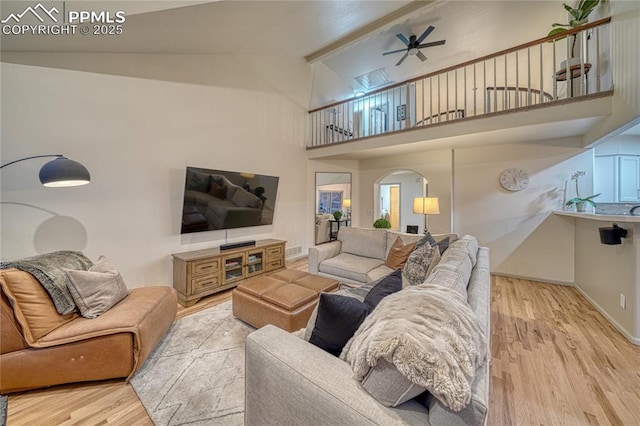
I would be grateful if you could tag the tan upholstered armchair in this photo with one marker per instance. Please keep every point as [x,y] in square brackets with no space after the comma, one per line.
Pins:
[39,347]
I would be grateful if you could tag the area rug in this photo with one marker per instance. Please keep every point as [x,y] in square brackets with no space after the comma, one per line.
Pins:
[196,374]
[3,409]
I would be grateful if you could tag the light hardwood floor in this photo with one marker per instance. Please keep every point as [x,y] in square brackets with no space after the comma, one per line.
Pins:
[555,361]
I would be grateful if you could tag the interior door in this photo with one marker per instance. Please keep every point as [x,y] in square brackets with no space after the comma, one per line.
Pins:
[394,207]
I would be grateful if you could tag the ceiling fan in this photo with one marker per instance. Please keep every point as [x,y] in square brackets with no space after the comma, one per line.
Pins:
[414,44]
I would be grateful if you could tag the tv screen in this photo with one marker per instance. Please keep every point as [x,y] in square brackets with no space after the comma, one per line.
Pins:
[218,199]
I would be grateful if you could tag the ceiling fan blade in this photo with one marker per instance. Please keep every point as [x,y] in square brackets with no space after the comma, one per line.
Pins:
[394,51]
[403,39]
[403,58]
[421,56]
[425,33]
[433,43]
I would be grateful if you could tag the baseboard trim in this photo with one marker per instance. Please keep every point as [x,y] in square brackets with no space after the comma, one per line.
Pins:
[540,280]
[634,340]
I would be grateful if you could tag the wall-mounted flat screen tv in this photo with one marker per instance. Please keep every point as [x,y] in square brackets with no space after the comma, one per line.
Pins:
[218,199]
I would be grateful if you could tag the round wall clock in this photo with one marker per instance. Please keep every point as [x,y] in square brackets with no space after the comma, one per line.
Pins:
[514,179]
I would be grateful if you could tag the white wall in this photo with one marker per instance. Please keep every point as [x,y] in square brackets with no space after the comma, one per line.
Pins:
[525,239]
[136,136]
[603,272]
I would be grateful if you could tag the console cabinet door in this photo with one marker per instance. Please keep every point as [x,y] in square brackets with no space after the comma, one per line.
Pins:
[233,266]
[255,262]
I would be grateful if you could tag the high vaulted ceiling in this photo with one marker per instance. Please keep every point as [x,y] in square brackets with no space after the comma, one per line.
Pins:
[347,36]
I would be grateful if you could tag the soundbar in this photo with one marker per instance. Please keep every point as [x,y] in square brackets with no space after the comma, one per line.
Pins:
[237,245]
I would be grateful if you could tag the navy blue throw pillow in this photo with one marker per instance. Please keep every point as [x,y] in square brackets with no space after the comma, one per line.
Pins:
[338,319]
[388,285]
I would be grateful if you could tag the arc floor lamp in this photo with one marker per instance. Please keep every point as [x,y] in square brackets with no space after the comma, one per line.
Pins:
[59,172]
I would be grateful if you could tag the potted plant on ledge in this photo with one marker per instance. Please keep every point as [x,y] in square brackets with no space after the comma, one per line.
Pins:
[579,16]
[578,201]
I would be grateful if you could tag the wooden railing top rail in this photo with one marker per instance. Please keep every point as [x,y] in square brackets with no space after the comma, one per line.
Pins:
[473,61]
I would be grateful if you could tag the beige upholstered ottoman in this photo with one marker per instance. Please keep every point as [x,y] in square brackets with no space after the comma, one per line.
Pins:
[285,299]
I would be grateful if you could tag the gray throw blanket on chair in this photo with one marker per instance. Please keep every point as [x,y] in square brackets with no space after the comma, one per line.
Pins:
[49,270]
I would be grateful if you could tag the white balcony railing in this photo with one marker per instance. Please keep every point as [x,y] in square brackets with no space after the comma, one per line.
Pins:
[531,74]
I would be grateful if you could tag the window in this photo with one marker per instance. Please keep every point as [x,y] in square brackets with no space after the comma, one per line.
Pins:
[330,201]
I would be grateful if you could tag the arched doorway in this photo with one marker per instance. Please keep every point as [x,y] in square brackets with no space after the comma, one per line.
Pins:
[393,199]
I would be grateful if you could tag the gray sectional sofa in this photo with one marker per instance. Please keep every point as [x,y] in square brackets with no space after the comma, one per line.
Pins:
[291,381]
[358,256]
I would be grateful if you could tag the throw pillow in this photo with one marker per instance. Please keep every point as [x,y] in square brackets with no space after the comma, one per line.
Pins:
[242,198]
[388,285]
[420,263]
[218,191]
[31,304]
[95,291]
[443,245]
[338,319]
[399,253]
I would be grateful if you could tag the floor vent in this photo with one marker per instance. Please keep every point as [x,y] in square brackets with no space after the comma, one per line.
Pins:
[293,252]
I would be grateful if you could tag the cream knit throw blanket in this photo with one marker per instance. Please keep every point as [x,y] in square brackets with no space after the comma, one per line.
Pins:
[432,337]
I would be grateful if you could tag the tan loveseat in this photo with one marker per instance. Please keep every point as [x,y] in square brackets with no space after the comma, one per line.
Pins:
[39,347]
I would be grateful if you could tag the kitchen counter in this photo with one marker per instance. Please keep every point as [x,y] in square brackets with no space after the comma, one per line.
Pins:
[626,218]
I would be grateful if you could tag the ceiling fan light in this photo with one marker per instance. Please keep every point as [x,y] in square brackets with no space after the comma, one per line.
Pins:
[413,51]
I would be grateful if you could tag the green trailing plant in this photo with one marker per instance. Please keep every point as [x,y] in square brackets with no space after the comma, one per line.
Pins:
[382,224]
[579,14]
[337,215]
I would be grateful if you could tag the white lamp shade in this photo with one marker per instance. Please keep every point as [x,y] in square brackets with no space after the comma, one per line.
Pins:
[346,203]
[426,205]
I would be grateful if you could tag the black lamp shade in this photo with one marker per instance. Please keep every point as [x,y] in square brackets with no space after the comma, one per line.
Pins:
[64,172]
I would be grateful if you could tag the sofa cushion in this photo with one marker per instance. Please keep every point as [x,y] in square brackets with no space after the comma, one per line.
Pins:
[378,273]
[388,285]
[197,181]
[242,198]
[364,242]
[338,317]
[350,266]
[448,278]
[95,291]
[420,263]
[399,253]
[388,386]
[470,244]
[31,304]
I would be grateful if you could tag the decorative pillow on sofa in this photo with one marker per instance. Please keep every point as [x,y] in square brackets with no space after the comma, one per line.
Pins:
[34,310]
[337,319]
[420,263]
[399,253]
[386,286]
[95,291]
[218,191]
